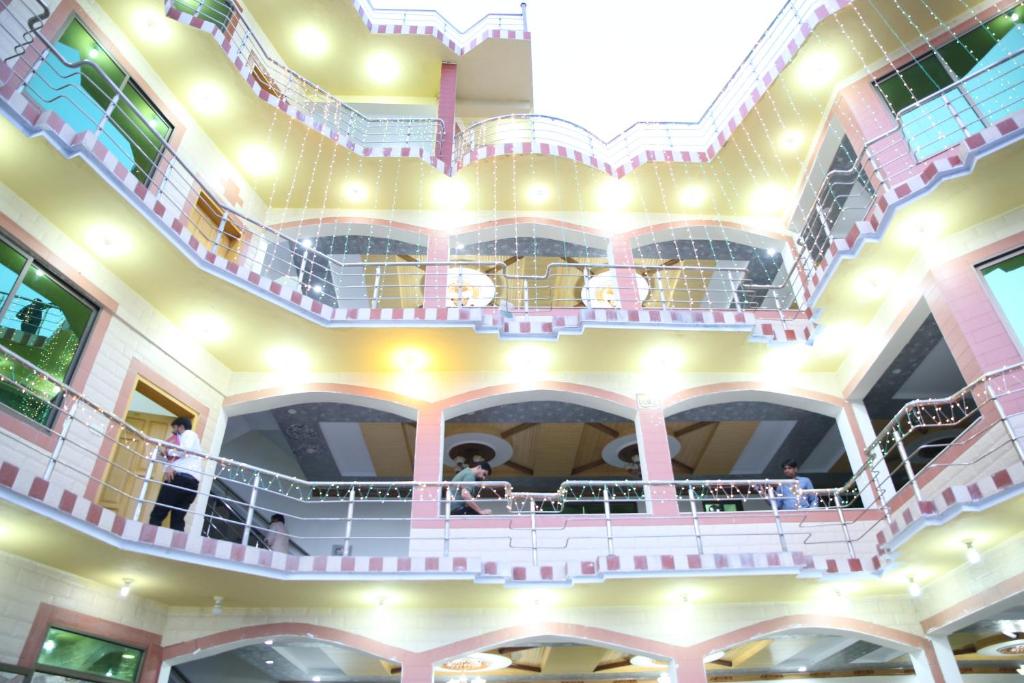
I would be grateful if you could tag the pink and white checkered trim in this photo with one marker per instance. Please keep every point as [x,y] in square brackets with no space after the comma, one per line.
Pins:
[27,486]
[958,161]
[459,45]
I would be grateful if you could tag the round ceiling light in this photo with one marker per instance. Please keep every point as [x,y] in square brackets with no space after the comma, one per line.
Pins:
[602,290]
[478,662]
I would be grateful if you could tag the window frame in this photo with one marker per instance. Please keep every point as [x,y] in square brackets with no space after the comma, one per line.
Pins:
[84,675]
[31,261]
[980,268]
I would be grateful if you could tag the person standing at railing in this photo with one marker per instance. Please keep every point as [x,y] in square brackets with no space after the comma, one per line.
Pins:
[465,500]
[277,534]
[788,494]
[181,476]
[31,315]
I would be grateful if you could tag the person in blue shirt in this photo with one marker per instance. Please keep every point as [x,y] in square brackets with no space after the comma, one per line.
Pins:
[788,494]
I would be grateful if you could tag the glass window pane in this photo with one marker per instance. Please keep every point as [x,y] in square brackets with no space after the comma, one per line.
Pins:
[85,654]
[964,53]
[81,41]
[1006,281]
[139,138]
[45,324]
[915,82]
[11,264]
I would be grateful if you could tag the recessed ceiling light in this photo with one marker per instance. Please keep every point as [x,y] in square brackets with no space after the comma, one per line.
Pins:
[269,662]
[538,193]
[971,553]
[311,41]
[356,191]
[613,194]
[873,283]
[801,669]
[791,140]
[528,360]
[207,327]
[268,642]
[108,242]
[126,587]
[411,359]
[258,160]
[769,198]
[208,98]
[286,359]
[662,359]
[646,662]
[382,67]
[152,26]
[693,196]
[450,193]
[818,69]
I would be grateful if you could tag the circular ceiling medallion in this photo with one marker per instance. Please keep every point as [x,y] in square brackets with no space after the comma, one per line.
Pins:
[473,448]
[624,452]
[1011,648]
[468,288]
[602,290]
[478,662]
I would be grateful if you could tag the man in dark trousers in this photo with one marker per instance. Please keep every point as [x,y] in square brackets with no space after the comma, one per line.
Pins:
[181,476]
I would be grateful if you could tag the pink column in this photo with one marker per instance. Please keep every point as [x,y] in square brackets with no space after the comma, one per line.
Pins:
[427,462]
[622,254]
[446,112]
[655,457]
[969,319]
[866,117]
[417,672]
[690,669]
[435,282]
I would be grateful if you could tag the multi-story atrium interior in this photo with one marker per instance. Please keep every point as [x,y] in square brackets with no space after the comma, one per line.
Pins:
[332,349]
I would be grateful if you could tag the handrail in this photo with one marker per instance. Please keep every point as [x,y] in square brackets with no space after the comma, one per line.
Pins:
[377,15]
[264,523]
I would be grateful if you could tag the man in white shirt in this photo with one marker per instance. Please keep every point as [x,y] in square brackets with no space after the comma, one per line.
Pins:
[181,476]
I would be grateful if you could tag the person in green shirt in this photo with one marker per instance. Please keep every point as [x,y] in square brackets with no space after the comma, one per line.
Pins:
[465,502]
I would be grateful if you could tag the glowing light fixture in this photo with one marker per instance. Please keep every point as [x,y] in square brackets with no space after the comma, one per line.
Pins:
[450,193]
[971,553]
[791,140]
[873,284]
[602,290]
[714,656]
[128,655]
[771,251]
[268,642]
[468,288]
[913,587]
[538,193]
[316,679]
[286,359]
[920,228]
[311,41]
[94,53]
[476,663]
[646,662]
[662,359]
[208,327]
[528,359]
[152,26]
[818,69]
[614,195]
[693,196]
[49,645]
[258,160]
[108,242]
[411,359]
[269,662]
[770,198]
[356,191]
[218,606]
[801,669]
[782,359]
[1015,17]
[208,98]
[382,67]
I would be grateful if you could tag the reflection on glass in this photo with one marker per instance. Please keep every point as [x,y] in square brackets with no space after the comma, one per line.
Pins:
[85,654]
[43,322]
[1006,281]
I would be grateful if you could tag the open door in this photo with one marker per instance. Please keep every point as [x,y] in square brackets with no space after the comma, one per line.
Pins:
[151,411]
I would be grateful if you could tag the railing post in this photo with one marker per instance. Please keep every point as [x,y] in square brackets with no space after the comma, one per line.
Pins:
[533,530]
[61,440]
[375,297]
[252,508]
[522,9]
[846,529]
[146,478]
[696,520]
[608,520]
[347,546]
[447,492]
[906,466]
[1014,439]
[778,520]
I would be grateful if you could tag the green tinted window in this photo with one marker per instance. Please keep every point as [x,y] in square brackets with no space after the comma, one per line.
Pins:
[76,36]
[11,265]
[914,82]
[45,323]
[75,652]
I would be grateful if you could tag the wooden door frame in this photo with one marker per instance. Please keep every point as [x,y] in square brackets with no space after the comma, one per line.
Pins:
[141,374]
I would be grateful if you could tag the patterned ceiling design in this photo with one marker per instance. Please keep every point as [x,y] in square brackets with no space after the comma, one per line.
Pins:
[537,411]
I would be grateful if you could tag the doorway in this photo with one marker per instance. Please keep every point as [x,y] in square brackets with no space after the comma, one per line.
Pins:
[150,411]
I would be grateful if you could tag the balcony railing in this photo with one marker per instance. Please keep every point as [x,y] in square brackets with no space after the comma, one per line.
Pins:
[582,519]
[335,119]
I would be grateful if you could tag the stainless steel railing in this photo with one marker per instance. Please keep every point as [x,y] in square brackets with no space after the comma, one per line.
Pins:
[97,450]
[339,121]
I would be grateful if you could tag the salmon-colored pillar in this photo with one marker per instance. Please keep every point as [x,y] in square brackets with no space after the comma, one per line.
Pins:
[417,672]
[435,281]
[446,112]
[621,253]
[655,456]
[427,465]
